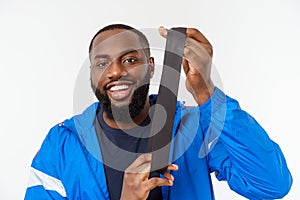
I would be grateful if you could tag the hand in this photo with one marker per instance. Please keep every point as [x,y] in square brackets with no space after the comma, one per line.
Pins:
[136,182]
[197,60]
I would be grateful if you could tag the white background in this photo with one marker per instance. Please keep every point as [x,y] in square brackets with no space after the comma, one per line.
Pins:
[43,45]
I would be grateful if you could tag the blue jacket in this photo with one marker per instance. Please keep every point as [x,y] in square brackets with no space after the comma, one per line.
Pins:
[215,137]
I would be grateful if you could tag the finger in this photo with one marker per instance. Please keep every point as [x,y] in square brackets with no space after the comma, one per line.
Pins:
[163,31]
[156,182]
[197,35]
[196,57]
[141,163]
[201,48]
[143,169]
[190,32]
[185,65]
[173,167]
[169,176]
[191,57]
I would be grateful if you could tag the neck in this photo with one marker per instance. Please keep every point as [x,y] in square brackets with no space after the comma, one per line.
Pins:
[131,123]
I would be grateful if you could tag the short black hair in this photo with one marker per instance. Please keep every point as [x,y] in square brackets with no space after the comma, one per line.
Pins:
[142,37]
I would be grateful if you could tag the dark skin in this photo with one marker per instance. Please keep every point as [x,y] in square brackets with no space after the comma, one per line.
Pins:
[121,62]
[136,183]
[127,64]
[196,64]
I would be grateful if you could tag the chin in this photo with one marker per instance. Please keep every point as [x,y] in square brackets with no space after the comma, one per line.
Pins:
[120,104]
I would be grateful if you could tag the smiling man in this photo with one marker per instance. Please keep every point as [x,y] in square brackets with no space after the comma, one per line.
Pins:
[124,85]
[102,153]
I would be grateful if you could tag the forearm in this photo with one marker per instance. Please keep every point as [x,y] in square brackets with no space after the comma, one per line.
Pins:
[242,154]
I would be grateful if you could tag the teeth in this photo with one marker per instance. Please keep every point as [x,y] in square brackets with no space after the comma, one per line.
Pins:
[119,87]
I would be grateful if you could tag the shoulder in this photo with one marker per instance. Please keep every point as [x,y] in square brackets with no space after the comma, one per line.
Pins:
[68,132]
[59,133]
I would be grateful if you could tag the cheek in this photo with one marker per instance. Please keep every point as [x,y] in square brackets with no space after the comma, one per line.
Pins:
[139,72]
[96,79]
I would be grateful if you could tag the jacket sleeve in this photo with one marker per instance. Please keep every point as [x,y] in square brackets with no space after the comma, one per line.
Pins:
[239,150]
[44,182]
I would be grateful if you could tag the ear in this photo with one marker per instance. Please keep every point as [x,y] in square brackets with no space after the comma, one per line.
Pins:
[152,66]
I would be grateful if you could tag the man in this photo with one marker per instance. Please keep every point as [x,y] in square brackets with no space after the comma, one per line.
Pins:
[102,153]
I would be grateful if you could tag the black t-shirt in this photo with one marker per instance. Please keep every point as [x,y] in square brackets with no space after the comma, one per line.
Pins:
[119,149]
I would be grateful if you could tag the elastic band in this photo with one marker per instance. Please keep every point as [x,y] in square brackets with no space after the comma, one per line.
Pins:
[167,99]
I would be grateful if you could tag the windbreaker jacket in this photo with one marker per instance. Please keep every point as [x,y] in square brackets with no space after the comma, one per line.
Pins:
[215,137]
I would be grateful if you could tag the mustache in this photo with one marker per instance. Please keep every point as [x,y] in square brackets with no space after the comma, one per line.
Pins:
[127,112]
[144,81]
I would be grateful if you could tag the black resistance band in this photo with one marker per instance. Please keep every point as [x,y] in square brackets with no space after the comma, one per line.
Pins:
[165,107]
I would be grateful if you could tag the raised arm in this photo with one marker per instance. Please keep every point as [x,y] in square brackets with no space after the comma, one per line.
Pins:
[238,148]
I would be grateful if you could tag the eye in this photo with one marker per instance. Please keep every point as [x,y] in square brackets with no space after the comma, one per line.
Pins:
[130,60]
[102,64]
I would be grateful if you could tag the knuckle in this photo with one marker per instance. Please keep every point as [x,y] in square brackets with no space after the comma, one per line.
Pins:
[193,59]
[154,181]
[192,30]
[145,157]
[187,51]
[210,50]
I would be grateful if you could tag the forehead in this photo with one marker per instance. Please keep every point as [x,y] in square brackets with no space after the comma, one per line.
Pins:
[113,42]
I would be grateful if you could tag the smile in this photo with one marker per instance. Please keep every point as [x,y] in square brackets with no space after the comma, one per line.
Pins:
[120,90]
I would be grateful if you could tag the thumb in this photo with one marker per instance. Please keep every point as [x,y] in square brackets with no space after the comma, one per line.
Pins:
[163,31]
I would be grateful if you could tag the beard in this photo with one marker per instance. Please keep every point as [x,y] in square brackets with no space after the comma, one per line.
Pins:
[127,112]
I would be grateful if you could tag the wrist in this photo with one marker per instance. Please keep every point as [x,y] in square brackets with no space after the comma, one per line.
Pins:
[202,94]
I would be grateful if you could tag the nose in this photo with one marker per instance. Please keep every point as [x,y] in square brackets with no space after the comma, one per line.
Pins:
[116,70]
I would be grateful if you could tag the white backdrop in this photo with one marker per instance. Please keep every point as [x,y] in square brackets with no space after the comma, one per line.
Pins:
[44,44]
